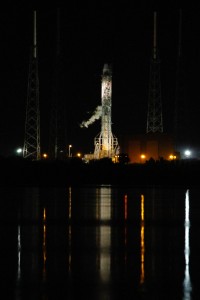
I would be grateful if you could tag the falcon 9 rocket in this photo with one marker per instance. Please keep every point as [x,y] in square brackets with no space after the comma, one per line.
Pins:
[106,144]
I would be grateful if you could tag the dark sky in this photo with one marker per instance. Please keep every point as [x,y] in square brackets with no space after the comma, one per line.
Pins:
[91,36]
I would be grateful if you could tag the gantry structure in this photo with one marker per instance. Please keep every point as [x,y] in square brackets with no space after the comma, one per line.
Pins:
[106,144]
[57,134]
[154,114]
[180,115]
[31,147]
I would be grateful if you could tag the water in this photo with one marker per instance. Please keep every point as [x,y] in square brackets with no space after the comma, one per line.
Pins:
[100,242]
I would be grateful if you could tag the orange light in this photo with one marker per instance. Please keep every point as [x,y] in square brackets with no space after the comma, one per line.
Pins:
[125,207]
[142,156]
[142,208]
[142,243]
[171,156]
[45,155]
[44,214]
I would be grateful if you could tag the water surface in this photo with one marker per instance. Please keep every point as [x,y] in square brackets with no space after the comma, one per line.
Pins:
[100,242]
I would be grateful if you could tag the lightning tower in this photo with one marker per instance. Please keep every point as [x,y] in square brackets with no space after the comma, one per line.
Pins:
[57,141]
[31,147]
[154,114]
[180,115]
[106,144]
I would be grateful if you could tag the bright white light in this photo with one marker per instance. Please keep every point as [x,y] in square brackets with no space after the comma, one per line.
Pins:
[19,150]
[187,153]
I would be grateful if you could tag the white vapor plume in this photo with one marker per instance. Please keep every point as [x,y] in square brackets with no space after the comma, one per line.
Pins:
[96,115]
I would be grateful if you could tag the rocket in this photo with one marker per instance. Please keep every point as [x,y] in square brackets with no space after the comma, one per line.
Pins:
[106,102]
[106,145]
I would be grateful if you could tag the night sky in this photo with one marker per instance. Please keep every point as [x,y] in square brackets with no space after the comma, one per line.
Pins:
[92,35]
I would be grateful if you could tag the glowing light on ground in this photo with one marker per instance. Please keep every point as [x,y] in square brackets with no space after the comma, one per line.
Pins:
[187,153]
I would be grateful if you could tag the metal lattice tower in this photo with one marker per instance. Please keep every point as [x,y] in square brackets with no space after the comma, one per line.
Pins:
[180,115]
[154,114]
[32,124]
[106,144]
[57,141]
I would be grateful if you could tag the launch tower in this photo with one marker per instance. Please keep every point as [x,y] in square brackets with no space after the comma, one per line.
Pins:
[106,144]
[154,114]
[181,132]
[57,133]
[31,147]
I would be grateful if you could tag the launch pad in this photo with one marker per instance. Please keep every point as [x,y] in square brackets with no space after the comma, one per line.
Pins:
[105,147]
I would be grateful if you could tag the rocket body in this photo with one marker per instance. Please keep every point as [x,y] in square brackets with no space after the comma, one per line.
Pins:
[106,96]
[106,145]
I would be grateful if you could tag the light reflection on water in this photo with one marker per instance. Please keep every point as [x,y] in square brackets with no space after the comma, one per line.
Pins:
[187,286]
[104,241]
[103,213]
[142,243]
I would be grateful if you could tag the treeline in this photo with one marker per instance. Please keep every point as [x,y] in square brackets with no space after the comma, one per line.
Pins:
[74,171]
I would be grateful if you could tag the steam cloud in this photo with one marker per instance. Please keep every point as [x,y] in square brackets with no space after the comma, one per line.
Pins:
[96,115]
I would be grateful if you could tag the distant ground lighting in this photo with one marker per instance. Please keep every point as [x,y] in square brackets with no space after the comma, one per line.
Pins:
[172,156]
[142,158]
[187,153]
[19,150]
[69,151]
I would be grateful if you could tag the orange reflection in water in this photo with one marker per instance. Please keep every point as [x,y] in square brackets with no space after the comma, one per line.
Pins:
[125,227]
[44,214]
[70,203]
[44,243]
[142,243]
[125,207]
[142,208]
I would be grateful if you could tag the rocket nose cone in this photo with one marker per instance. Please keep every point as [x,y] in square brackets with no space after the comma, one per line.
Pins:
[106,68]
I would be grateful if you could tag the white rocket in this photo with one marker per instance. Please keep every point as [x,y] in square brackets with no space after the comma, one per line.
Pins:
[106,145]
